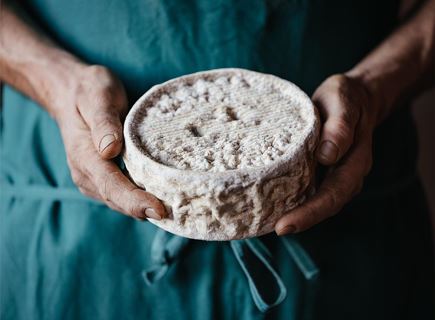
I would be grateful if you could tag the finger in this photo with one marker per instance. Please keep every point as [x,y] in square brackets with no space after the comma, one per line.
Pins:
[84,185]
[106,130]
[80,179]
[102,179]
[102,110]
[119,193]
[338,129]
[89,190]
[339,186]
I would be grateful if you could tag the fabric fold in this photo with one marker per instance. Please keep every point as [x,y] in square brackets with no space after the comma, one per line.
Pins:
[165,249]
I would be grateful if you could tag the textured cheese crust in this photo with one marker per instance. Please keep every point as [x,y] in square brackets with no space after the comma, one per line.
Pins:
[228,151]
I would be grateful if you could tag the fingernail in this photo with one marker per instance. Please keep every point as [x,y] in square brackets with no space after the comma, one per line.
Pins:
[151,213]
[285,230]
[106,141]
[328,151]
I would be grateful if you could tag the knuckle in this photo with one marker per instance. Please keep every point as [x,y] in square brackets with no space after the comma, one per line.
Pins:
[95,77]
[87,168]
[338,80]
[111,205]
[310,218]
[106,88]
[98,71]
[77,177]
[103,120]
[368,166]
[104,190]
[103,98]
[86,192]
[136,211]
[343,130]
[71,163]
[106,121]
[107,190]
[333,201]
[350,116]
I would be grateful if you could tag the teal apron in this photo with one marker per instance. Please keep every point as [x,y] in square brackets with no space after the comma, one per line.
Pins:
[65,256]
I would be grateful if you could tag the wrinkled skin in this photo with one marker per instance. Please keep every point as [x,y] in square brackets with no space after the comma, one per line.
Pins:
[91,127]
[89,104]
[349,118]
[92,132]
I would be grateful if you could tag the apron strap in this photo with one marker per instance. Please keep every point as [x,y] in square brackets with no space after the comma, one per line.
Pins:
[300,257]
[45,192]
[266,286]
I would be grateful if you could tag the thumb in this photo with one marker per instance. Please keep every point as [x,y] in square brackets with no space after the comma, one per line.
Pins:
[336,138]
[106,132]
[105,125]
[341,117]
[102,102]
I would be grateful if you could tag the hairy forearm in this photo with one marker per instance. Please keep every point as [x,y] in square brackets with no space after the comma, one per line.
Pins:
[398,67]
[403,64]
[31,62]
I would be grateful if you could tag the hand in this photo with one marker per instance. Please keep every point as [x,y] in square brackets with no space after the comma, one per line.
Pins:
[90,122]
[349,116]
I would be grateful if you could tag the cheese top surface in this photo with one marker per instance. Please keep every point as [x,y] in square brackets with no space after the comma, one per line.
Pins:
[223,122]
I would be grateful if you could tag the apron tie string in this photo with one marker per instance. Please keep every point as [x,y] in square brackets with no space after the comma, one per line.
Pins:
[265,284]
[254,258]
[300,256]
[45,192]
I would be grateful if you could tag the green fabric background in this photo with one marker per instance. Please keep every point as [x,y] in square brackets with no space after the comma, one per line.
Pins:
[64,257]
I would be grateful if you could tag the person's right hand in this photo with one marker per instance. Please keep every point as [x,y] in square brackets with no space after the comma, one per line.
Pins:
[90,120]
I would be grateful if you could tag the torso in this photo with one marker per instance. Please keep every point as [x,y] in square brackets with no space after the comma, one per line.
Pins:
[64,248]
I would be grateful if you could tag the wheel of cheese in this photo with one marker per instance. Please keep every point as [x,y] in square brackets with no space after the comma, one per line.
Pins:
[227,151]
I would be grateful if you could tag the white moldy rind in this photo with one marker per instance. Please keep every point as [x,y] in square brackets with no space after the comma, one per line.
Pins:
[228,151]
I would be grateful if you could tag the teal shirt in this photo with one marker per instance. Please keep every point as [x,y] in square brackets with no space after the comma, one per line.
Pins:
[66,256]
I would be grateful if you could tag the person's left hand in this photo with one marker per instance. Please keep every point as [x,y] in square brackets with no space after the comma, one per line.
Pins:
[349,118]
